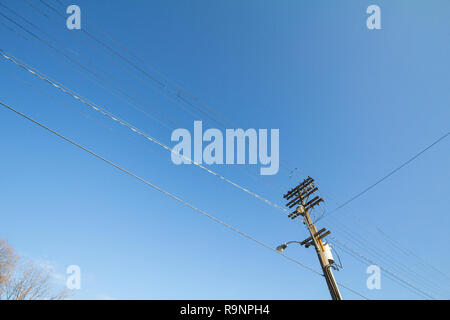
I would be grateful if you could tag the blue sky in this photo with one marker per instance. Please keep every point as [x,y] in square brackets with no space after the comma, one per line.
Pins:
[351,105]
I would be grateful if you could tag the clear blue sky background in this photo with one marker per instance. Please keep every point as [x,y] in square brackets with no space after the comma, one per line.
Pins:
[351,105]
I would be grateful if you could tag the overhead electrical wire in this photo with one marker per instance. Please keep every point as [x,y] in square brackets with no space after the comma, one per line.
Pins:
[134,129]
[105,113]
[106,46]
[128,61]
[4,25]
[169,80]
[122,57]
[41,91]
[262,179]
[135,104]
[358,258]
[342,245]
[137,76]
[178,89]
[389,174]
[432,283]
[398,264]
[408,252]
[123,68]
[57,50]
[171,195]
[399,270]
[91,72]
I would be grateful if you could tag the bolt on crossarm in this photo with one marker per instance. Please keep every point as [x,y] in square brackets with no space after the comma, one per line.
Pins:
[302,197]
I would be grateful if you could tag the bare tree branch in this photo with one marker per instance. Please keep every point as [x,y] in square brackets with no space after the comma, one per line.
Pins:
[23,280]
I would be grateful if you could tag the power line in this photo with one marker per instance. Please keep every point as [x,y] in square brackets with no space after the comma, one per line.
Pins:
[178,88]
[262,179]
[342,245]
[62,88]
[126,69]
[136,130]
[165,90]
[395,268]
[365,262]
[384,255]
[83,100]
[388,175]
[399,263]
[170,195]
[78,97]
[410,253]
[187,102]
[141,70]
[301,195]
[182,89]
[134,100]
[106,46]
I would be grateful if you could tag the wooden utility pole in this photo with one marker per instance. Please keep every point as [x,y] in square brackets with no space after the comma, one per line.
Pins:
[301,196]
